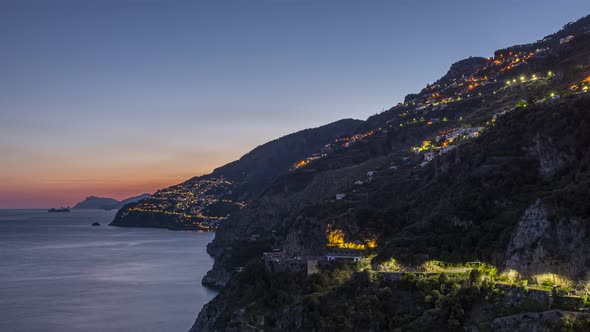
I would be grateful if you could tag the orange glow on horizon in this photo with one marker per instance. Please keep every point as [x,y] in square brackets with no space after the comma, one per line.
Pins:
[56,193]
[57,182]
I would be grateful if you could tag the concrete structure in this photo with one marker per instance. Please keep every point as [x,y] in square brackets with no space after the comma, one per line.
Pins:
[344,256]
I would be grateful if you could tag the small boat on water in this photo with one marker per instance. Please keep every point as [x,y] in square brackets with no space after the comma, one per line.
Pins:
[59,210]
[96,224]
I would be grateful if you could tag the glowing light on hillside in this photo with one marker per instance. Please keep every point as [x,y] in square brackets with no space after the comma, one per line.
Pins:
[511,274]
[336,239]
[300,164]
[552,279]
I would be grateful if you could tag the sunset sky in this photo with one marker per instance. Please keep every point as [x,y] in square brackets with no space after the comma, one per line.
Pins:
[119,97]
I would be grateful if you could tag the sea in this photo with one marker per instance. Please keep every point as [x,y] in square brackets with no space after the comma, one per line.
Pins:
[59,273]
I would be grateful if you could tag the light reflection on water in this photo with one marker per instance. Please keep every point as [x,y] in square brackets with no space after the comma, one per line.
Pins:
[61,274]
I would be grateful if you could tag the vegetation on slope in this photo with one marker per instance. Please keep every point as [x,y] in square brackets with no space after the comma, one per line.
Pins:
[351,298]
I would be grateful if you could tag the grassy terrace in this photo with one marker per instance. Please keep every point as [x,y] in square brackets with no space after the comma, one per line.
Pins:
[348,296]
[561,289]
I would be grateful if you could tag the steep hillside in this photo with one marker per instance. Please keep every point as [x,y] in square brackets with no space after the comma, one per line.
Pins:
[128,201]
[407,136]
[203,202]
[489,164]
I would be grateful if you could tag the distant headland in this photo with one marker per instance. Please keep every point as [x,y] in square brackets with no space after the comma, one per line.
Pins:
[59,210]
[104,203]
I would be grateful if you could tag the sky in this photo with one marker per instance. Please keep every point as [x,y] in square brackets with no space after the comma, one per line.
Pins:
[114,98]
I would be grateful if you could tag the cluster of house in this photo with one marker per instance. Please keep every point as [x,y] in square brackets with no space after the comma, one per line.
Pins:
[472,132]
[189,201]
[581,87]
[343,142]
[422,106]
[448,136]
[277,261]
[307,160]
[566,39]
[440,93]
[450,92]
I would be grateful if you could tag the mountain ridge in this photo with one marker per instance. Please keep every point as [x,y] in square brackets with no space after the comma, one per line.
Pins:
[202,202]
[106,203]
[485,166]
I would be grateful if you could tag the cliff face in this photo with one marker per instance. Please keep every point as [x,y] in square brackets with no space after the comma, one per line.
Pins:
[551,159]
[550,250]
[207,318]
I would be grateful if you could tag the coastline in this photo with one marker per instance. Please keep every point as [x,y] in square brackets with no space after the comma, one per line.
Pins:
[152,277]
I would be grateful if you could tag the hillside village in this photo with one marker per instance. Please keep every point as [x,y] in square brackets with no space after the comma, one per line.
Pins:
[204,202]
[199,204]
[379,196]
[499,75]
[434,188]
[439,109]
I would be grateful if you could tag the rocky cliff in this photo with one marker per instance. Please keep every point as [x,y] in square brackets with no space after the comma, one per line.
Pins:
[550,248]
[489,164]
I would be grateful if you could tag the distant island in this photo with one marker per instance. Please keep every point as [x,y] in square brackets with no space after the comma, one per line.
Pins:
[59,210]
[104,203]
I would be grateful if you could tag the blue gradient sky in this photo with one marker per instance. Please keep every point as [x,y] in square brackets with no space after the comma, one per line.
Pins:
[118,97]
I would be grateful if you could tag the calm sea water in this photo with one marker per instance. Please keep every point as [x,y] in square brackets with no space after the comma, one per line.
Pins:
[58,273]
